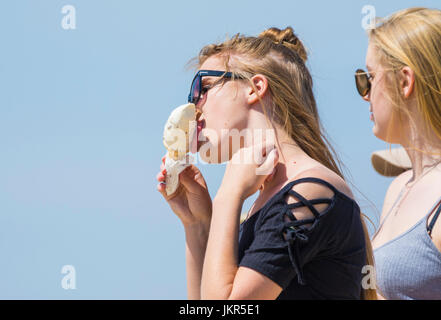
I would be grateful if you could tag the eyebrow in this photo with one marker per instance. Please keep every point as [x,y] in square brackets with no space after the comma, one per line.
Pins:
[369,68]
[210,80]
[207,80]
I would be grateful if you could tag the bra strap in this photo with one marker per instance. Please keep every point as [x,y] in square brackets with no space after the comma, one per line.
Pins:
[432,223]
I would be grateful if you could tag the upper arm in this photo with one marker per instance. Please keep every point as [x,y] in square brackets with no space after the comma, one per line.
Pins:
[252,285]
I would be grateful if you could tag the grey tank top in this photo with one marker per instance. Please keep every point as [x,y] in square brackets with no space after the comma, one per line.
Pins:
[409,266]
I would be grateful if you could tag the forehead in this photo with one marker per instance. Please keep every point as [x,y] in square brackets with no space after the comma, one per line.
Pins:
[371,56]
[213,63]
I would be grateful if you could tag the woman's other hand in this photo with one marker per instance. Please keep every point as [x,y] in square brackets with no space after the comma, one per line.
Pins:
[248,169]
[191,202]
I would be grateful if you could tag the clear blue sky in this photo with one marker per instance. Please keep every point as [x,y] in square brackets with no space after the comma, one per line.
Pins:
[81,119]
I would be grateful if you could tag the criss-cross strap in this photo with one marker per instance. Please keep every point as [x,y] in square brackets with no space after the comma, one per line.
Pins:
[295,230]
[313,202]
[304,202]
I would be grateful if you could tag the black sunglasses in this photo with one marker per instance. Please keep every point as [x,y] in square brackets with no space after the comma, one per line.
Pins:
[196,85]
[363,82]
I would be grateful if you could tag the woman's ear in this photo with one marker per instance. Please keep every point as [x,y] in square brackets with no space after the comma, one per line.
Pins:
[258,89]
[407,82]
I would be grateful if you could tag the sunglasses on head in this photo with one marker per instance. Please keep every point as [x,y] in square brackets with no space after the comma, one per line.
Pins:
[363,82]
[196,86]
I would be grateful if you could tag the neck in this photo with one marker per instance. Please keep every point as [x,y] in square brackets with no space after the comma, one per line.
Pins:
[422,146]
[422,156]
[292,160]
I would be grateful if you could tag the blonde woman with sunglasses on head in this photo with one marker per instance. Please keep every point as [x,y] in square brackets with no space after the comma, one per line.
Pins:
[403,86]
[304,237]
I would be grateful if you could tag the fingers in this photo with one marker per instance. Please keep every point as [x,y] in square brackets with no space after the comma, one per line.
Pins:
[185,178]
[192,179]
[161,177]
[161,185]
[267,147]
[273,157]
[260,151]
[162,163]
[269,163]
[161,188]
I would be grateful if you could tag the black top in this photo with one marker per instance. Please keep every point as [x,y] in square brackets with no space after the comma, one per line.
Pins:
[322,261]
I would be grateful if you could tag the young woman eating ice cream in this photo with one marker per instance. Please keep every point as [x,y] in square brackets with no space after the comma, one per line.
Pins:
[304,237]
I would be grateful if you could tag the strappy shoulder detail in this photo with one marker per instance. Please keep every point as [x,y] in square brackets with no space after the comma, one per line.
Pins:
[295,230]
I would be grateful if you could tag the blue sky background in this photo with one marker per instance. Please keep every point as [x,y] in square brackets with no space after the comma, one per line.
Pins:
[81,120]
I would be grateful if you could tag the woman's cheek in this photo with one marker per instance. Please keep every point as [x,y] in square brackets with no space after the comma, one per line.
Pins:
[384,127]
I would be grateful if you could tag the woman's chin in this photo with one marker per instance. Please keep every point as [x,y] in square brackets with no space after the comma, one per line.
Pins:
[382,135]
[206,154]
[377,133]
[210,153]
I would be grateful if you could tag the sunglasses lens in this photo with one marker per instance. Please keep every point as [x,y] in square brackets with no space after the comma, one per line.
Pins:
[362,82]
[195,90]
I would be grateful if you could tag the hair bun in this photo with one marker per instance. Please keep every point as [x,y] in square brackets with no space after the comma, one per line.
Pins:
[286,37]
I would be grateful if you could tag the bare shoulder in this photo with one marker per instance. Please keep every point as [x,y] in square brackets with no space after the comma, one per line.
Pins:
[398,183]
[321,190]
[312,190]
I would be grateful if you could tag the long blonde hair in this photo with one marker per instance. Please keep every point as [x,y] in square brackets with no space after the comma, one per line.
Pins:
[412,37]
[280,56]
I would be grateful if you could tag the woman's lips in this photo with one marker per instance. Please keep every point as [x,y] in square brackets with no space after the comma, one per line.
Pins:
[200,125]
[372,116]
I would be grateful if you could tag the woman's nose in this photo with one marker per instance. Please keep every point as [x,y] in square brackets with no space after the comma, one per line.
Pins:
[200,103]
